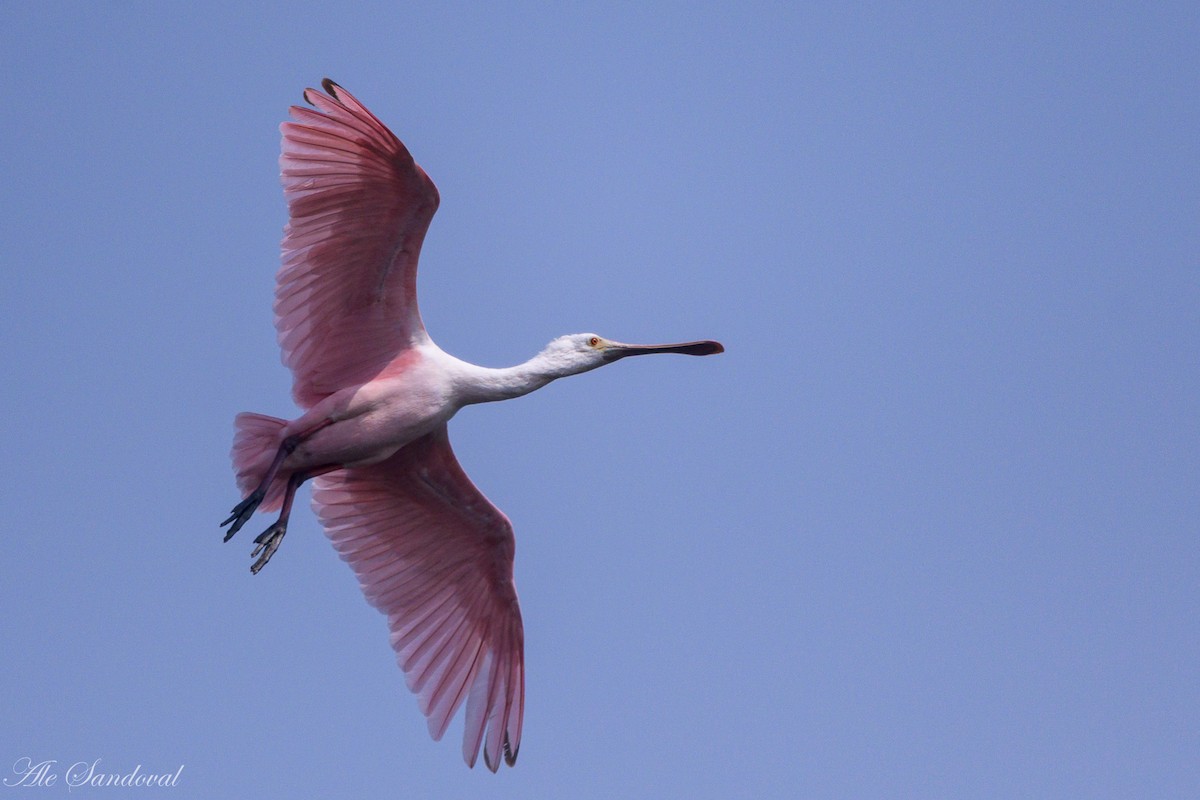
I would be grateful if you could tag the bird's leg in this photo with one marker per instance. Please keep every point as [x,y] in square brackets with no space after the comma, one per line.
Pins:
[244,510]
[269,540]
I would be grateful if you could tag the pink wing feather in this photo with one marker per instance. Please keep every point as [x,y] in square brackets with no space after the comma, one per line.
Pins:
[359,207]
[435,556]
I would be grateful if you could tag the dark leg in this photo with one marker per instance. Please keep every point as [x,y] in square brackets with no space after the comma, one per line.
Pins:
[269,540]
[244,510]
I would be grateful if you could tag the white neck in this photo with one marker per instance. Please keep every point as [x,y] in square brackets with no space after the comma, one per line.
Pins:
[485,385]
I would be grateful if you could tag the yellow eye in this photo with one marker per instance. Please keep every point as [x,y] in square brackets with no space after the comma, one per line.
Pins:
[594,341]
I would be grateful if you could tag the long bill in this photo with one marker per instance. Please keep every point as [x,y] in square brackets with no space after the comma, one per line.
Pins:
[702,348]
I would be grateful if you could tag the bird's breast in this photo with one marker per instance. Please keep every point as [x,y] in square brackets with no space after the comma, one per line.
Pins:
[375,420]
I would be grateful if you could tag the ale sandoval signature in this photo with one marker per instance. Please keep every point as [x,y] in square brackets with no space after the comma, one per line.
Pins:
[27,772]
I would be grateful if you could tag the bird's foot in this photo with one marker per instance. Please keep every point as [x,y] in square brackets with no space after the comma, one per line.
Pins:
[242,512]
[268,542]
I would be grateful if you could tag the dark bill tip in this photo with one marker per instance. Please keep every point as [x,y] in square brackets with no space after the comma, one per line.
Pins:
[704,348]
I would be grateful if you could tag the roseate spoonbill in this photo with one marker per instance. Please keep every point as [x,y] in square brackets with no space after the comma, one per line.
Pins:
[428,548]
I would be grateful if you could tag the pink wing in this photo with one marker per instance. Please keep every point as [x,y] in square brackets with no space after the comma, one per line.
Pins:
[436,557]
[359,206]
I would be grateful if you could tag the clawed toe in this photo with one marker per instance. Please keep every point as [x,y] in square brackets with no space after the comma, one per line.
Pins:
[242,512]
[267,543]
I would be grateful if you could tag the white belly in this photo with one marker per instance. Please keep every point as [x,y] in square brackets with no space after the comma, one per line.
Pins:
[370,423]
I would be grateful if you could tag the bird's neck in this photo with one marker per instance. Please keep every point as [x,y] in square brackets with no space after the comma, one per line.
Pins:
[486,385]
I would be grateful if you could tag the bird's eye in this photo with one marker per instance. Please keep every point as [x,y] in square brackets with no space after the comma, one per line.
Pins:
[594,341]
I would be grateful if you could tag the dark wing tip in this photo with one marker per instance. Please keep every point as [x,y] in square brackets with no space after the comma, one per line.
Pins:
[510,754]
[331,88]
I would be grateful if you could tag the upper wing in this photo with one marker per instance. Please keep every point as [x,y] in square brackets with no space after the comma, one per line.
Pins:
[358,206]
[436,557]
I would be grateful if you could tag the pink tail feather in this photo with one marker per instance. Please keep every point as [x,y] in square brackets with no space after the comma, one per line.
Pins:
[254,447]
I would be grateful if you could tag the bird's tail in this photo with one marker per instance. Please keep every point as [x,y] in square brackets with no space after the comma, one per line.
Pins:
[255,443]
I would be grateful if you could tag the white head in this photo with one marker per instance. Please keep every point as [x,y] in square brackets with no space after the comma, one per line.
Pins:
[580,352]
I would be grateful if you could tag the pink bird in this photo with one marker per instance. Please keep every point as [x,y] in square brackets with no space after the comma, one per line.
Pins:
[428,548]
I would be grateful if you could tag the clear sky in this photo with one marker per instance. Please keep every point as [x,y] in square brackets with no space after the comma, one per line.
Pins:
[928,528]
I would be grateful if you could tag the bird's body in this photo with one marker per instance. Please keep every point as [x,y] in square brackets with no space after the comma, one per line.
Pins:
[429,550]
[375,419]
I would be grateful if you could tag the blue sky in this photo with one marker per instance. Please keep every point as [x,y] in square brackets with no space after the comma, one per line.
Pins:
[927,529]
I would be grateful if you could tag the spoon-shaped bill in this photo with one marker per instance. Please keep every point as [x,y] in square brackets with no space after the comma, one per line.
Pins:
[702,348]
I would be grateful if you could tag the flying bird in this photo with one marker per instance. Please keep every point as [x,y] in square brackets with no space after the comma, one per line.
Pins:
[430,551]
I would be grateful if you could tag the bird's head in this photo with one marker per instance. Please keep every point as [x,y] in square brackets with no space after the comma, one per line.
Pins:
[580,352]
